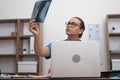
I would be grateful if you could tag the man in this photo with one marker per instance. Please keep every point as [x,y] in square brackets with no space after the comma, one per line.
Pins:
[74,29]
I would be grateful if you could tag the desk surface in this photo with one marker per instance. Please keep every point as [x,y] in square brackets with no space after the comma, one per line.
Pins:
[57,79]
[24,78]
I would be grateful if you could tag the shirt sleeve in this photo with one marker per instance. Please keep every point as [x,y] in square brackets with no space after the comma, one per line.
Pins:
[49,46]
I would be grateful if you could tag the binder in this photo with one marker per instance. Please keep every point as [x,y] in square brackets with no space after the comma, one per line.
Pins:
[32,45]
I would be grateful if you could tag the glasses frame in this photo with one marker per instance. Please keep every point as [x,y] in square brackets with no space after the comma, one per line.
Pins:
[72,24]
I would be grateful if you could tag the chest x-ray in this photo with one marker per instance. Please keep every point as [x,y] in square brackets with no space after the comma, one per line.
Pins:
[40,10]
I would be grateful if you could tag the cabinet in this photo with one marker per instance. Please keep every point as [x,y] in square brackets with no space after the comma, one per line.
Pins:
[113,39]
[15,45]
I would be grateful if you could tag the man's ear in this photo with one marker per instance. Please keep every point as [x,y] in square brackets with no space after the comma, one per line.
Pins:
[81,31]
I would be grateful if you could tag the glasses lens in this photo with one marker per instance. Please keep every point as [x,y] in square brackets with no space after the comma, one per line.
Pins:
[74,24]
[71,24]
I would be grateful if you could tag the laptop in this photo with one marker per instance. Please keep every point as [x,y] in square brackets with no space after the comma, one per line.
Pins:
[40,10]
[75,59]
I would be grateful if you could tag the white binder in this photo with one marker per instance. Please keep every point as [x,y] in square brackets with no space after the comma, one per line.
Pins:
[32,45]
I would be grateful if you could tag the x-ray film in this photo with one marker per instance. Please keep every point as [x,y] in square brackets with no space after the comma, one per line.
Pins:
[40,10]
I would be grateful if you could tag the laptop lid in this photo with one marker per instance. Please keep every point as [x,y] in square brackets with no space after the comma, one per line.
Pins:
[75,59]
[40,10]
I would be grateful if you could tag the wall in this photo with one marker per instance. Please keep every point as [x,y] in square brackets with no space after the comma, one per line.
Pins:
[91,11]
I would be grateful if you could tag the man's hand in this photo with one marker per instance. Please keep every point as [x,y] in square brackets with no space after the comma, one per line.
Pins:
[34,28]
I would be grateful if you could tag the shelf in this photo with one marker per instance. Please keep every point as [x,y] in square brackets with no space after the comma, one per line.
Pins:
[113,15]
[25,20]
[28,55]
[8,20]
[7,37]
[114,34]
[115,53]
[7,73]
[26,36]
[7,55]
[13,20]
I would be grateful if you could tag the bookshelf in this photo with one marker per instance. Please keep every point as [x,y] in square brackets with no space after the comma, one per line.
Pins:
[14,38]
[113,39]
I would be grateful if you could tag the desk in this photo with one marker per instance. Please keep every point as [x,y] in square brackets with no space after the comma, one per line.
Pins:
[24,79]
[83,79]
[57,79]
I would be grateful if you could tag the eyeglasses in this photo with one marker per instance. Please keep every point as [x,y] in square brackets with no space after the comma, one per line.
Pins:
[73,24]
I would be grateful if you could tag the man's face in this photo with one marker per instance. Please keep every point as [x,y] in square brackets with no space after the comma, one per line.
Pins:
[73,27]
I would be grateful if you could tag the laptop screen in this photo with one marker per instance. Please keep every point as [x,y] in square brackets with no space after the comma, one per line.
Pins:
[75,59]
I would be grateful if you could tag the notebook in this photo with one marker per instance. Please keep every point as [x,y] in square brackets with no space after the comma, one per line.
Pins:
[75,59]
[40,10]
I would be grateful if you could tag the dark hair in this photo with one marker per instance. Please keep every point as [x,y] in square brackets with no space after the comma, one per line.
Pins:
[82,25]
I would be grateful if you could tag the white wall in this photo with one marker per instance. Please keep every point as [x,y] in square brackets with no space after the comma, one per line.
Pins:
[91,11]
[16,8]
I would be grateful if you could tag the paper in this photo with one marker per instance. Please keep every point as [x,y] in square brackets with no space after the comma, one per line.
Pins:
[94,32]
